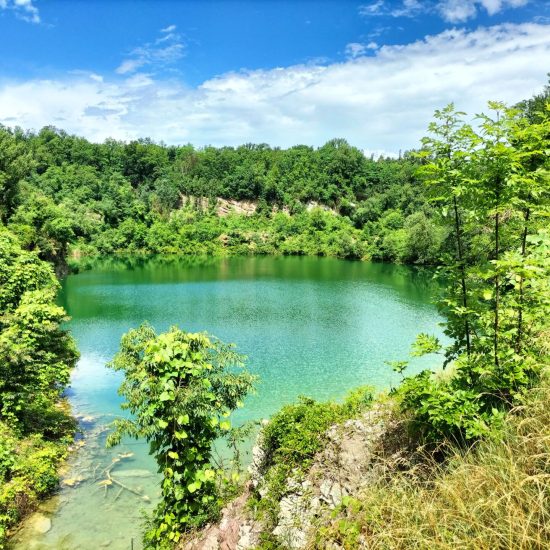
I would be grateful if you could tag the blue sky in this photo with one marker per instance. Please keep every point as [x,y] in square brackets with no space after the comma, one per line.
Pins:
[264,71]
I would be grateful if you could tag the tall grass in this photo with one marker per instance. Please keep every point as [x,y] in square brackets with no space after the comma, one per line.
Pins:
[495,496]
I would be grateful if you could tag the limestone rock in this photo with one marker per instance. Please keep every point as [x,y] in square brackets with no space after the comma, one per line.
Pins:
[40,523]
[259,459]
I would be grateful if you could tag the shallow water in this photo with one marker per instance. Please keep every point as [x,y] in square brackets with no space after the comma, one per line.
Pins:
[309,326]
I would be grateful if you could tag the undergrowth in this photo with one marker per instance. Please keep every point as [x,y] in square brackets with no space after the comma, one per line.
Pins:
[291,440]
[28,471]
[495,495]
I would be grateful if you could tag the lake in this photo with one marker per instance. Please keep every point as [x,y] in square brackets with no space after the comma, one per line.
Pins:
[309,326]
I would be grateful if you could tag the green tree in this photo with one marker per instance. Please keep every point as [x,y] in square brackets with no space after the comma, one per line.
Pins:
[180,388]
[447,151]
[504,167]
[16,163]
[36,354]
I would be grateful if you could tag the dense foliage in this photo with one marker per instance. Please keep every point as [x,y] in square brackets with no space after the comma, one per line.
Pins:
[494,496]
[36,356]
[492,183]
[64,195]
[180,388]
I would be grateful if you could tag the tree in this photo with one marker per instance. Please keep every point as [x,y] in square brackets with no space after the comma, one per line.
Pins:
[36,354]
[15,164]
[180,388]
[505,268]
[447,151]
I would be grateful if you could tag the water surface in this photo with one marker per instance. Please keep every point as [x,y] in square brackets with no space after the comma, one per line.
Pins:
[309,326]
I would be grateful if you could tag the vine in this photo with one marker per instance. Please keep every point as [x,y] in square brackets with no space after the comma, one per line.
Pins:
[180,388]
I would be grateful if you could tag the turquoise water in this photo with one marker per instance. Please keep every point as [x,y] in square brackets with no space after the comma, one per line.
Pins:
[309,326]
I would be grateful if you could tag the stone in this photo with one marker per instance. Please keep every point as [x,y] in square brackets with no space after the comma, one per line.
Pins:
[247,538]
[211,543]
[258,459]
[72,481]
[40,523]
[332,492]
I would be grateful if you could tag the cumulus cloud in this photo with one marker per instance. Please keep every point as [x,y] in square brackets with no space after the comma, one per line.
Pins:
[356,49]
[453,11]
[23,9]
[378,102]
[458,11]
[165,50]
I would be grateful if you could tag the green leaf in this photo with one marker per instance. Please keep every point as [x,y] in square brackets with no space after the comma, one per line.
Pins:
[194,486]
[183,419]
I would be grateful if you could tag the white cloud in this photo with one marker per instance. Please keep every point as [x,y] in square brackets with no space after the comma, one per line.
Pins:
[453,11]
[458,11]
[129,66]
[356,49]
[375,8]
[410,8]
[23,9]
[165,50]
[406,8]
[381,102]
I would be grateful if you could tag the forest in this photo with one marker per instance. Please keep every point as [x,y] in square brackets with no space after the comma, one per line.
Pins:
[68,197]
[473,200]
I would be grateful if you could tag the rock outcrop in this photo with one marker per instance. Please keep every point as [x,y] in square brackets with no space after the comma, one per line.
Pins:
[349,462]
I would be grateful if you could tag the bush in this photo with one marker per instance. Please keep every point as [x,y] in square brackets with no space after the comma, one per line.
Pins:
[180,388]
[495,495]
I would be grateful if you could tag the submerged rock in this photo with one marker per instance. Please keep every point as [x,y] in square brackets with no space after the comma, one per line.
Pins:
[132,473]
[72,481]
[40,523]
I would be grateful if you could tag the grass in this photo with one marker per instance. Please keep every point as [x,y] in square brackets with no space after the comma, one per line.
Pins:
[494,496]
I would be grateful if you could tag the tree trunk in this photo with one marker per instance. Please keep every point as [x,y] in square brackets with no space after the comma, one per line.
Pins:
[519,336]
[497,285]
[460,255]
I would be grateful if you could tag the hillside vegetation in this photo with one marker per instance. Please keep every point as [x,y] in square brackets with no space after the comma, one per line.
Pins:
[66,196]
[36,356]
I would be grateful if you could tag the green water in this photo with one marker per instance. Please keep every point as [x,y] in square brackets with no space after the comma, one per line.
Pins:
[309,326]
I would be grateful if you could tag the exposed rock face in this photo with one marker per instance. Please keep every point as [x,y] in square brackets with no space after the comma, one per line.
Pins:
[311,205]
[346,465]
[259,459]
[224,207]
[235,531]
